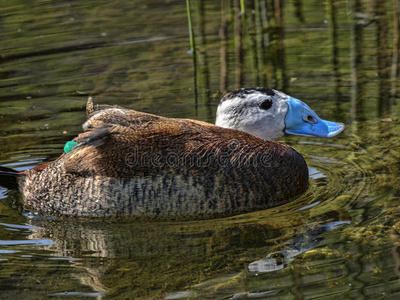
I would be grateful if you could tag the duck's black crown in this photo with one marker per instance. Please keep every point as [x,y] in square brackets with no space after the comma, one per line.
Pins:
[243,92]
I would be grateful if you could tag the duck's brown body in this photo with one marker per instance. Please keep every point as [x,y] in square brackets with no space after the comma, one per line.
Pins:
[132,163]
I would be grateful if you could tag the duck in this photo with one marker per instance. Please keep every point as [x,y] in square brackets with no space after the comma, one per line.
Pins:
[131,163]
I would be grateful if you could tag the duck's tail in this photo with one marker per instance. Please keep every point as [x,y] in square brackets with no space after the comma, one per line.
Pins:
[8,178]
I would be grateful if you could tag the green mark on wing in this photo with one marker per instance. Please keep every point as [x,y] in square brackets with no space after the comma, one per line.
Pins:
[69,146]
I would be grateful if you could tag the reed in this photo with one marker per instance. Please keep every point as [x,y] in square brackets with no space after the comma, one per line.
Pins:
[332,12]
[238,28]
[223,34]
[357,111]
[191,33]
[242,7]
[260,51]
[193,51]
[396,46]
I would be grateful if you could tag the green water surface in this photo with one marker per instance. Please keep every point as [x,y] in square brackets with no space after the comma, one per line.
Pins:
[340,239]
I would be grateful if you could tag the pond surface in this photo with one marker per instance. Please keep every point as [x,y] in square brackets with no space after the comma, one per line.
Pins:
[341,57]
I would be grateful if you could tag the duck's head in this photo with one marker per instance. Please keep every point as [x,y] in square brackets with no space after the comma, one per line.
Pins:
[270,114]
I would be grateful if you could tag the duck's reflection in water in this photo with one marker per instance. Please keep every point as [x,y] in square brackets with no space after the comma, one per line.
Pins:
[147,256]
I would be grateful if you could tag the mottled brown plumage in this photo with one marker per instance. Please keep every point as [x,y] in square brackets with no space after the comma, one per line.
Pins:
[133,163]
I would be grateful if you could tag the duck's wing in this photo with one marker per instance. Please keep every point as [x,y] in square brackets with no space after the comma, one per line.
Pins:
[111,135]
[154,147]
[127,150]
[96,150]
[114,115]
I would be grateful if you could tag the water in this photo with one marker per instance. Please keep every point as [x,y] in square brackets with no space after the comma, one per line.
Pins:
[339,239]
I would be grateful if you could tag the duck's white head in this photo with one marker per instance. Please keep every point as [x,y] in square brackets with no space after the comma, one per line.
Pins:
[270,114]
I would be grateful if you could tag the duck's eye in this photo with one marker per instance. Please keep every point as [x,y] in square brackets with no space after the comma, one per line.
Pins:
[265,105]
[310,119]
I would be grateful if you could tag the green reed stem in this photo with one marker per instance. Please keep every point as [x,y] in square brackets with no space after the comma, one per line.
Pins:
[193,50]
[242,6]
[191,35]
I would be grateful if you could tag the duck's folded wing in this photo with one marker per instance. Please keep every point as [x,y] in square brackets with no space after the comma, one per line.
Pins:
[120,151]
[96,151]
